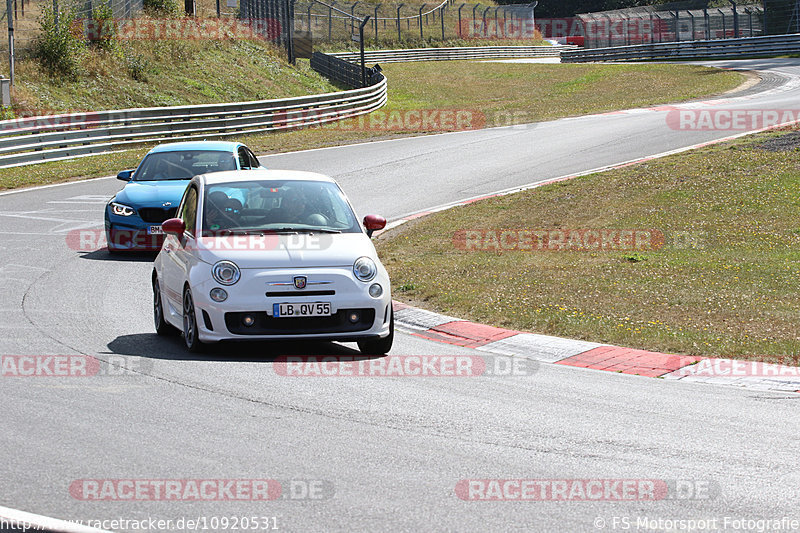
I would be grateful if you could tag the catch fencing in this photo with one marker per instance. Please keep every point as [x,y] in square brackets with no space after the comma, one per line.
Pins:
[438,20]
[668,23]
[25,16]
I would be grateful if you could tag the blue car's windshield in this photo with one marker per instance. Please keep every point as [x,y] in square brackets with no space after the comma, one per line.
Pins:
[183,165]
[277,206]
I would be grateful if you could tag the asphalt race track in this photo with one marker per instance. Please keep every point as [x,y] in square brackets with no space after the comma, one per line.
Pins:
[379,453]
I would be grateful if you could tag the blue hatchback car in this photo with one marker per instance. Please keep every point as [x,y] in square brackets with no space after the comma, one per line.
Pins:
[134,215]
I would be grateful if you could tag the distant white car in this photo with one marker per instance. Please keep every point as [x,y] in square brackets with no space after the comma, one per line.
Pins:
[271,254]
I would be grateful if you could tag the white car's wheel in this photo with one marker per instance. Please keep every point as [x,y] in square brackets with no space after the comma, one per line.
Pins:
[190,334]
[379,346]
[162,326]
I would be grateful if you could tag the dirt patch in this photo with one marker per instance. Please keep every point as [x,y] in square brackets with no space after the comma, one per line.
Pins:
[788,142]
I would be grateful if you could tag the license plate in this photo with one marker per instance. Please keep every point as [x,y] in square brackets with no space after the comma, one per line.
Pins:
[155,230]
[294,310]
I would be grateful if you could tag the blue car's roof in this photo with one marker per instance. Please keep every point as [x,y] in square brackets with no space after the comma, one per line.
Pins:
[221,146]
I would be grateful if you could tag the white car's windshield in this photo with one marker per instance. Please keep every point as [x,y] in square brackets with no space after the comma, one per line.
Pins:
[183,165]
[277,206]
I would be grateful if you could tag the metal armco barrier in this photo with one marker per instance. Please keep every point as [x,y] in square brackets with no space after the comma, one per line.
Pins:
[48,138]
[45,138]
[343,71]
[452,54]
[722,48]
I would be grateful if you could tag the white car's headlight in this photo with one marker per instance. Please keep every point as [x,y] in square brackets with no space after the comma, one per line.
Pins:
[364,268]
[226,272]
[121,209]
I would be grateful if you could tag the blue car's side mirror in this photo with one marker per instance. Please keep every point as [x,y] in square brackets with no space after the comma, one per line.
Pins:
[125,175]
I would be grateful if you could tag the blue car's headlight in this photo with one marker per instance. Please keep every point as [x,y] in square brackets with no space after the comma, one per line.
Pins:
[122,209]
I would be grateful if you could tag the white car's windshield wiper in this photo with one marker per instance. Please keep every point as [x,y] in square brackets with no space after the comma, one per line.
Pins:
[304,230]
[238,231]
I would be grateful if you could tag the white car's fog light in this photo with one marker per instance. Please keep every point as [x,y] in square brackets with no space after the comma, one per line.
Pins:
[354,317]
[375,290]
[226,273]
[248,320]
[364,268]
[218,295]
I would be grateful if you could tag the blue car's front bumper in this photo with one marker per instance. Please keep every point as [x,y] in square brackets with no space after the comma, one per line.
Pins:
[133,232]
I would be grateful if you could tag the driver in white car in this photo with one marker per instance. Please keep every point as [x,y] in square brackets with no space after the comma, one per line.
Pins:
[294,210]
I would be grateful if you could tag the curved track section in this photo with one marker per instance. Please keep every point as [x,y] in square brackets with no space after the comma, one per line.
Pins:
[389,451]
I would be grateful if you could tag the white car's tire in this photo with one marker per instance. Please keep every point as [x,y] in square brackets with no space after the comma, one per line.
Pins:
[379,346]
[190,334]
[162,326]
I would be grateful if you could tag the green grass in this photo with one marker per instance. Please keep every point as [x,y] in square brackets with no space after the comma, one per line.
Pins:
[534,92]
[493,94]
[724,283]
[174,73]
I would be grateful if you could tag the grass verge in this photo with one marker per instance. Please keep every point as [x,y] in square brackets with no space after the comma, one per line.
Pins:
[491,94]
[166,73]
[724,283]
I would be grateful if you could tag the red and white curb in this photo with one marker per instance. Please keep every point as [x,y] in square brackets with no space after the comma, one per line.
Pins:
[583,354]
[592,355]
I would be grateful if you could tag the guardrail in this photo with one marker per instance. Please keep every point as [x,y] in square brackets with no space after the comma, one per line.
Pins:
[47,138]
[53,137]
[343,71]
[451,54]
[720,48]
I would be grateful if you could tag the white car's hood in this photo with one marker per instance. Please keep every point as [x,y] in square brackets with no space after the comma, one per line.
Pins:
[282,251]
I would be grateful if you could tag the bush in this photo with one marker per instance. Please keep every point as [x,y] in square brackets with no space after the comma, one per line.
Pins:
[59,48]
[169,8]
[103,32]
[135,64]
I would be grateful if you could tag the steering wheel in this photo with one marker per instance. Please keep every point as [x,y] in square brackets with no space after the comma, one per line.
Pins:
[177,171]
[316,219]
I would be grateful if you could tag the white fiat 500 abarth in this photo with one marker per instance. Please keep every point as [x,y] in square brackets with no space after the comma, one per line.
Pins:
[271,254]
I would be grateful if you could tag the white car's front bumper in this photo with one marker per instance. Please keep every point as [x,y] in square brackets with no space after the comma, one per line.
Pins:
[258,290]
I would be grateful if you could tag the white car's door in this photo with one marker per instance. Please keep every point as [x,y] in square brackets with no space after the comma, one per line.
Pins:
[179,250]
